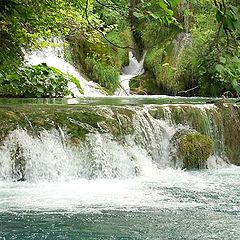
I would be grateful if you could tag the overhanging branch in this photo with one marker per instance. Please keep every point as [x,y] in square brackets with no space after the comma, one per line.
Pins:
[103,35]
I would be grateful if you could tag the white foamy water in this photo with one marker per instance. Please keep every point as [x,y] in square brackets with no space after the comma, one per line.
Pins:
[134,68]
[105,173]
[172,189]
[53,56]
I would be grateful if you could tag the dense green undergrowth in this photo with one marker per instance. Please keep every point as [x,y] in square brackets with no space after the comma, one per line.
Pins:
[102,62]
[199,56]
[37,81]
[192,47]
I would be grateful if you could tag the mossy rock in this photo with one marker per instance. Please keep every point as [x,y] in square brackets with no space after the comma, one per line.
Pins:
[194,149]
[231,131]
[164,61]
[76,121]
[144,84]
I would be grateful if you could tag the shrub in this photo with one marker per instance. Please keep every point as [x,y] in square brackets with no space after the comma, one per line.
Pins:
[36,81]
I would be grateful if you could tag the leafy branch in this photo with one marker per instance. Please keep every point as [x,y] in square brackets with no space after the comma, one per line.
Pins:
[101,32]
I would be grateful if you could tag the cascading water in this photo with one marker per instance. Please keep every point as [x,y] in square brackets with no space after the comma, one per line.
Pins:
[53,56]
[119,173]
[134,68]
[51,157]
[212,125]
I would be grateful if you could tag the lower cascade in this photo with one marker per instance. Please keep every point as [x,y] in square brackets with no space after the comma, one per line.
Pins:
[67,142]
[91,171]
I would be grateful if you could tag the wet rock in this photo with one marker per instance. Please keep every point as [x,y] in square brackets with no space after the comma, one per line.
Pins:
[18,163]
[193,149]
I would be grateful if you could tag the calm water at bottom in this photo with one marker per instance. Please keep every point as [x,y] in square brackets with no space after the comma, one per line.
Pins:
[175,205]
[165,224]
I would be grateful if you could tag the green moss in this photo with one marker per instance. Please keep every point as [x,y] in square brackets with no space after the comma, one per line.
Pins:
[194,149]
[157,113]
[185,114]
[101,61]
[144,84]
[191,116]
[222,124]
[164,64]
[153,33]
[231,125]
[75,121]
[106,75]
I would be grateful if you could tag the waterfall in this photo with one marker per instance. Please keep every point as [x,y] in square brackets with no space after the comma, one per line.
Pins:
[135,68]
[102,142]
[211,124]
[46,157]
[53,56]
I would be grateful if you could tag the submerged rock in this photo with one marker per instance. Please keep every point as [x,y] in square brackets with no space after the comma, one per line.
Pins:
[18,160]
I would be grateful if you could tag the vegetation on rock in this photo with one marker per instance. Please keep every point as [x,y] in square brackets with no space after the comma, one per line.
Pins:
[194,149]
[192,47]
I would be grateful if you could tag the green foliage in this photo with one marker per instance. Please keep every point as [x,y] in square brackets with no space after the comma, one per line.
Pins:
[101,61]
[165,64]
[228,17]
[213,25]
[24,22]
[113,13]
[36,81]
[161,11]
[199,64]
[107,76]
[228,71]
[7,6]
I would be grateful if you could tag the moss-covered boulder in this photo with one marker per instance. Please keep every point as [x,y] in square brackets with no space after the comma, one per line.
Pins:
[144,84]
[194,149]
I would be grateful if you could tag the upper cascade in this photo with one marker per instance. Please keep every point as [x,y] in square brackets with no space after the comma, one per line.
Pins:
[53,56]
[135,68]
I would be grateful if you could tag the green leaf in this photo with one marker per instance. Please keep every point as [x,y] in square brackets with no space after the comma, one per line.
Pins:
[138,14]
[223,60]
[220,68]
[219,16]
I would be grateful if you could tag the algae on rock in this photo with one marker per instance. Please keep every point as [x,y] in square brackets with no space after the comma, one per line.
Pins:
[74,120]
[194,149]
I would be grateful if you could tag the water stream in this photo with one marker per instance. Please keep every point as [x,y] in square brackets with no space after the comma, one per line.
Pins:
[115,183]
[53,56]
[135,68]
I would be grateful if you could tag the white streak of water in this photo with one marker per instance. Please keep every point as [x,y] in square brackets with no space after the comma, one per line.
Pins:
[135,68]
[53,56]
